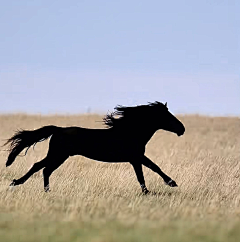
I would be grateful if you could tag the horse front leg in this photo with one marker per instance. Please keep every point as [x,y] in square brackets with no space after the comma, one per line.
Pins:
[148,163]
[139,173]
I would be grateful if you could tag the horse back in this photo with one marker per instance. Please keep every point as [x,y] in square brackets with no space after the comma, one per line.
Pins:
[98,144]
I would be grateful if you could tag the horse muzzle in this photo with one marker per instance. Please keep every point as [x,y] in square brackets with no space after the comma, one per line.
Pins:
[181,132]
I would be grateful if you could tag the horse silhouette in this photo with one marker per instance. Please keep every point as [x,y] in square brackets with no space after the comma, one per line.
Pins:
[123,140]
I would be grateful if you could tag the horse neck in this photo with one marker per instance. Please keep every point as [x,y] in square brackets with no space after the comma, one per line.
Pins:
[146,135]
[141,134]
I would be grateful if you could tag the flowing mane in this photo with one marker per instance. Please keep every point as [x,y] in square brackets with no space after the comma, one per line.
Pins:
[126,115]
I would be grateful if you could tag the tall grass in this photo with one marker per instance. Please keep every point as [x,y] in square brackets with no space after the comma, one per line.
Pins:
[94,201]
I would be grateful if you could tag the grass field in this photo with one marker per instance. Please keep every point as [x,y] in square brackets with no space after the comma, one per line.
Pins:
[100,202]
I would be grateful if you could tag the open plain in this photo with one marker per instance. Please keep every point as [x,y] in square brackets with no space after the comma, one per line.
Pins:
[102,202]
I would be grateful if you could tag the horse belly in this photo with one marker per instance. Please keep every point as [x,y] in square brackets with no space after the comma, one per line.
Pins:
[102,145]
[105,152]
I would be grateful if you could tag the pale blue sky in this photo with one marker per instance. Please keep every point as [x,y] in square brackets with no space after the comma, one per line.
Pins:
[69,56]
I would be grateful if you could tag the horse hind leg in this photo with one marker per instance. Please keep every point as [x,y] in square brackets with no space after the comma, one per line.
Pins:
[50,168]
[35,168]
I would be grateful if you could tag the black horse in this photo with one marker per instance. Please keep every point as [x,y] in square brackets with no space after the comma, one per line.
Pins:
[129,130]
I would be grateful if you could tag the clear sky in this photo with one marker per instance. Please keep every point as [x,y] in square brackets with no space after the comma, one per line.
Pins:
[76,56]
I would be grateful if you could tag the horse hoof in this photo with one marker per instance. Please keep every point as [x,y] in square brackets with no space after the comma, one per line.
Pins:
[171,183]
[13,183]
[46,189]
[145,191]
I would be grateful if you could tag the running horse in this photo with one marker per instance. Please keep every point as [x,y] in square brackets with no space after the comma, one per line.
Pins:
[123,140]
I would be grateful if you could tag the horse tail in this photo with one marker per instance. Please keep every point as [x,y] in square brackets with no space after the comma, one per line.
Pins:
[25,139]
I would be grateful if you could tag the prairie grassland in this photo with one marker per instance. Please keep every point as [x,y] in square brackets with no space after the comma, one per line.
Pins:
[102,202]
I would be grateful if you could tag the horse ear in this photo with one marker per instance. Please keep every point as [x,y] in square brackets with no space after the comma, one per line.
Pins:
[166,104]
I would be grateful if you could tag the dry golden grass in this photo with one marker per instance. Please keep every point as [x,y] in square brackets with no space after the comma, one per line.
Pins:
[104,201]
